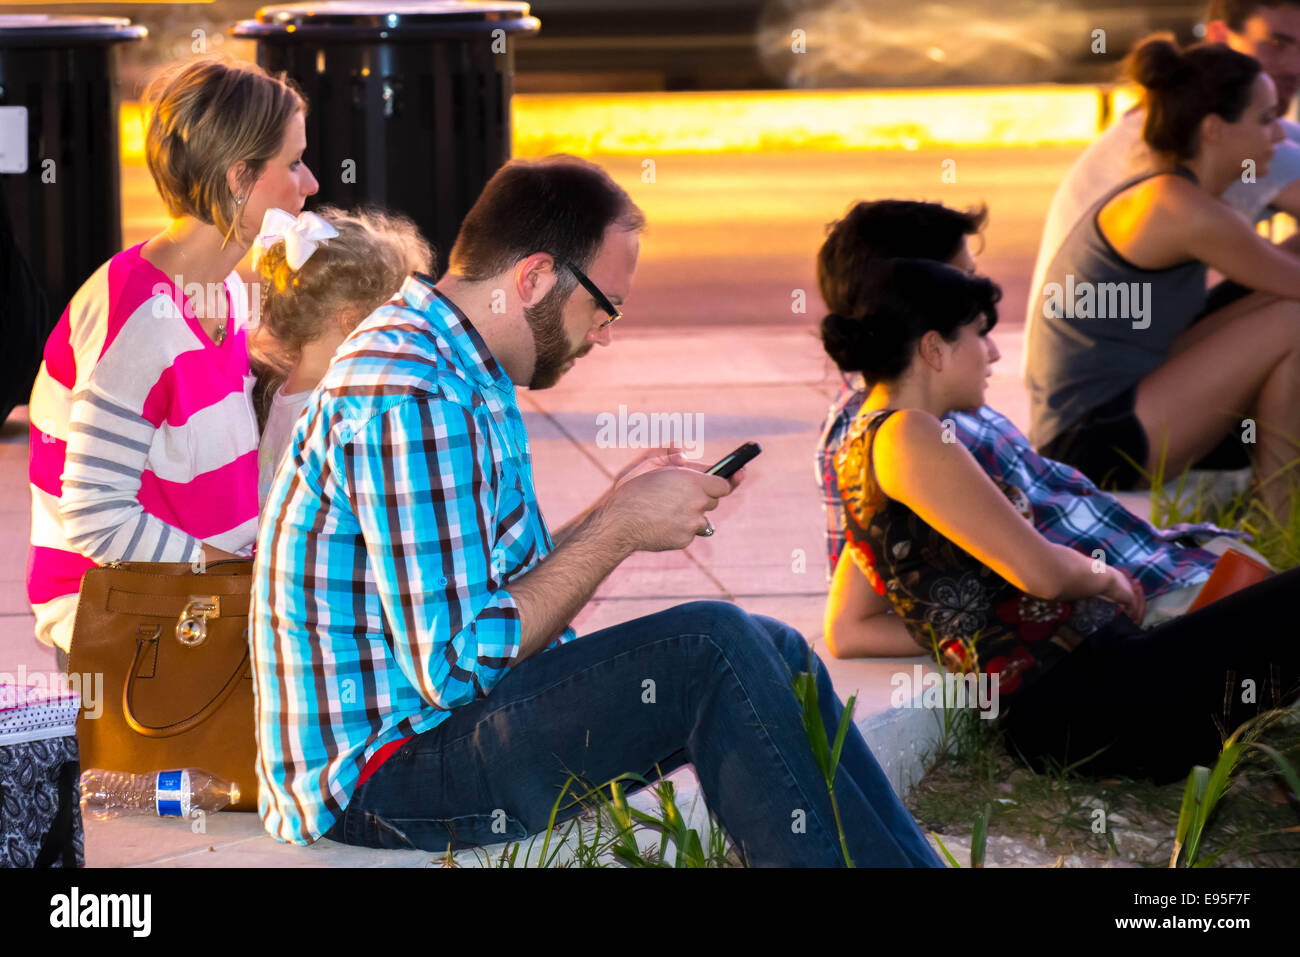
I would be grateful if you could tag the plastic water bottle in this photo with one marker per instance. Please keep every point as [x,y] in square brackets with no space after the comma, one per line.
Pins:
[107,794]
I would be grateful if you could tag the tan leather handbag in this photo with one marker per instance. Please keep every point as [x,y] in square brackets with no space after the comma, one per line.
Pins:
[172,645]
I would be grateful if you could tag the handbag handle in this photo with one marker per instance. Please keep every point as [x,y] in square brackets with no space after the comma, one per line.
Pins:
[176,727]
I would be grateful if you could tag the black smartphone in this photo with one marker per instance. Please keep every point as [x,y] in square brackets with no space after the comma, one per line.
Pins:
[733,463]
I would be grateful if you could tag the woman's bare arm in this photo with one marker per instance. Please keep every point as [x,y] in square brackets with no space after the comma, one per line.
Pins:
[945,486]
[1171,220]
[858,622]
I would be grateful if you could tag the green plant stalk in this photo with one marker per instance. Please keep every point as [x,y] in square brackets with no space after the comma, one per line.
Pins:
[951,860]
[979,836]
[827,758]
[550,823]
[1205,788]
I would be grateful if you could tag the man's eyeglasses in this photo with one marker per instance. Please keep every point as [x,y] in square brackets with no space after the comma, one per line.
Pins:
[601,299]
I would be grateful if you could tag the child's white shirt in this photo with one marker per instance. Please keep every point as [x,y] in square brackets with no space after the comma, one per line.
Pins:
[280,420]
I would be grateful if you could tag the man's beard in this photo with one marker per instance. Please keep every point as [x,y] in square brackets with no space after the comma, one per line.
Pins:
[546,320]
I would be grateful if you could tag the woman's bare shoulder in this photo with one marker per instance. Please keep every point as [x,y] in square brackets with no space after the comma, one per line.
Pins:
[911,429]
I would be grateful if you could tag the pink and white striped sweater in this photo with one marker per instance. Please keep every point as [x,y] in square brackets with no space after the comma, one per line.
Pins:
[143,437]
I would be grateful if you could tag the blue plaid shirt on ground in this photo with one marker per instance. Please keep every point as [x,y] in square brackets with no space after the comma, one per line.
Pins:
[391,532]
[1068,508]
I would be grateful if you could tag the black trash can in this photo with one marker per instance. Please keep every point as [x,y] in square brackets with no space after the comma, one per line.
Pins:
[409,102]
[60,176]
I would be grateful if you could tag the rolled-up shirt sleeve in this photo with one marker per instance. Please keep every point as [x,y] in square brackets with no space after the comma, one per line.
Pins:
[422,487]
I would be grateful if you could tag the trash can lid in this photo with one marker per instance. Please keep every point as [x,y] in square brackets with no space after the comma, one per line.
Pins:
[405,19]
[44,29]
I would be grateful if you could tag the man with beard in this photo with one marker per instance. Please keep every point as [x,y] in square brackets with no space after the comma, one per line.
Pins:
[417,681]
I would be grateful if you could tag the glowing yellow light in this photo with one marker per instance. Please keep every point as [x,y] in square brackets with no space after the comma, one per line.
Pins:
[1121,99]
[745,121]
[133,122]
[756,121]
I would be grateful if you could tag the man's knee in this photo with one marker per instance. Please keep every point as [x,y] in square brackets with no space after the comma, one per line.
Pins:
[789,643]
[722,621]
[757,634]
[707,617]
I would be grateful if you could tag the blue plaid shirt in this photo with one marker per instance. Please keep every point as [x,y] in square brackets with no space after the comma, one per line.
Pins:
[390,535]
[1068,508]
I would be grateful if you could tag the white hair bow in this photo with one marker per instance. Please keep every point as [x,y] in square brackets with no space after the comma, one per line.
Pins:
[301,236]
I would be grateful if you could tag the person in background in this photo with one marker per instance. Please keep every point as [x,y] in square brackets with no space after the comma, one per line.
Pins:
[417,680]
[1131,371]
[1269,31]
[1052,633]
[885,227]
[143,439]
[320,275]
[1067,508]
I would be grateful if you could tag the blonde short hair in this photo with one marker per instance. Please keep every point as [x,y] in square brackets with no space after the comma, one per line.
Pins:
[206,115]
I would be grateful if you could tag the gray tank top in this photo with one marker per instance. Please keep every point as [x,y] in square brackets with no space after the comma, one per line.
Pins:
[1105,323]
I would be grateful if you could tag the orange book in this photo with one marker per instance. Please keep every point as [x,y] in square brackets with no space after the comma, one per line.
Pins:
[1232,572]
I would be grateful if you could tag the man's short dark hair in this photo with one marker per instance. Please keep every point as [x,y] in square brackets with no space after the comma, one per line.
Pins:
[1235,13]
[560,205]
[891,229]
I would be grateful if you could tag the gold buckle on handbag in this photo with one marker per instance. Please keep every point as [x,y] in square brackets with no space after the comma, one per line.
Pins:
[192,628]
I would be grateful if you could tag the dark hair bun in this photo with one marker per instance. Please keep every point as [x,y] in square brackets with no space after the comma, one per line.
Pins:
[1158,65]
[845,340]
[902,299]
[1181,88]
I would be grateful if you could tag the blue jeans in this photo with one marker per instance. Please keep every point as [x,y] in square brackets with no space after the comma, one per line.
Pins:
[704,683]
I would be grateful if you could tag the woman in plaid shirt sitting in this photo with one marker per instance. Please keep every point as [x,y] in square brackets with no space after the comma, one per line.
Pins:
[954,554]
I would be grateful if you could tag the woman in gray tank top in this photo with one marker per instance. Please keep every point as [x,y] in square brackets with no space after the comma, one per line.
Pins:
[1129,368]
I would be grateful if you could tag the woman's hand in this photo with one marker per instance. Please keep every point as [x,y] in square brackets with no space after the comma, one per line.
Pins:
[1126,591]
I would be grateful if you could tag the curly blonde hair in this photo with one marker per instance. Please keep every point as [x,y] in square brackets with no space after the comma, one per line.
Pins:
[346,279]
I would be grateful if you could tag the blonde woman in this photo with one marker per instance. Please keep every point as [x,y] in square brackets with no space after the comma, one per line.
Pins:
[144,443]
[320,275]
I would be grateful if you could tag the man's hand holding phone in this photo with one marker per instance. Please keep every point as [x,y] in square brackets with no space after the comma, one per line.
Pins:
[660,499]
[652,459]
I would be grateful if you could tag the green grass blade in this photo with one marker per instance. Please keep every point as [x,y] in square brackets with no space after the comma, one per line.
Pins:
[979,837]
[842,732]
[1187,814]
[952,861]
[1216,784]
[805,689]
[1286,768]
[690,853]
[550,823]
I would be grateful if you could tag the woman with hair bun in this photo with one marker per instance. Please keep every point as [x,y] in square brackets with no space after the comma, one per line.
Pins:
[956,557]
[1130,370]
[144,442]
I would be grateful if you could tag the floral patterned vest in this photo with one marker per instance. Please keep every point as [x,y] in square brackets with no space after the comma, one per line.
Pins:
[947,598]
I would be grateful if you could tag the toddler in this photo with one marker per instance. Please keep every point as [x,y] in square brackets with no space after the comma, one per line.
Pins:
[320,275]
